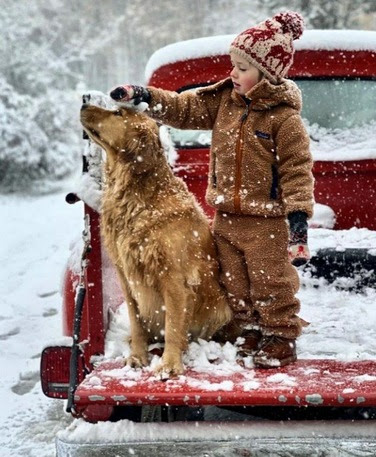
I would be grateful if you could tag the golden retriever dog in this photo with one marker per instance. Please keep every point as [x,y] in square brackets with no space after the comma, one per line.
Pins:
[158,238]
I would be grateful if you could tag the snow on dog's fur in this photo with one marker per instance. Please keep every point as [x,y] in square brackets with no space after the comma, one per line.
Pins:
[158,239]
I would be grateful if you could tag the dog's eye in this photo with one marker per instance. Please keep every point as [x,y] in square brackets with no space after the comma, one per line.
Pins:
[117,113]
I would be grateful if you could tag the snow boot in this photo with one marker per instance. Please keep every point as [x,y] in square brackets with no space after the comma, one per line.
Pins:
[275,351]
[252,339]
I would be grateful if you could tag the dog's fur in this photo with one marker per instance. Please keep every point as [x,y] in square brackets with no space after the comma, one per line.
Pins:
[158,238]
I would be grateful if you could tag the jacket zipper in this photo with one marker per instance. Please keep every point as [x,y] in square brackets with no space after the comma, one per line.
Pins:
[239,159]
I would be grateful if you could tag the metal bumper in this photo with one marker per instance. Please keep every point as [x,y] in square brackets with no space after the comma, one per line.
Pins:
[233,439]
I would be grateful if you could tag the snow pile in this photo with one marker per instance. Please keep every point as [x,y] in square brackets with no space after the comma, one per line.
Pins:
[320,238]
[350,40]
[118,334]
[333,332]
[188,49]
[126,432]
[168,145]
[323,217]
[89,190]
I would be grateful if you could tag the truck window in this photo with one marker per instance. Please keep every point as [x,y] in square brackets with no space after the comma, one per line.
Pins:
[330,103]
[338,103]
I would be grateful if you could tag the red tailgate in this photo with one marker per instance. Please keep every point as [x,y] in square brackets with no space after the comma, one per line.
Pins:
[307,382]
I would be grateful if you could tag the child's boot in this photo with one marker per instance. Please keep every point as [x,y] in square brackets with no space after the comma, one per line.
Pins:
[251,345]
[275,351]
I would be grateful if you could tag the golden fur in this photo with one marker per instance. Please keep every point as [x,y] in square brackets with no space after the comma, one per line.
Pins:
[158,238]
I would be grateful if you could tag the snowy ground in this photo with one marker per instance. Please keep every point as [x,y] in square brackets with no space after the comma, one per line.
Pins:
[36,234]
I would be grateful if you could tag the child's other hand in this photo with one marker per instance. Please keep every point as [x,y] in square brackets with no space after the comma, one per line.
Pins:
[298,243]
[130,93]
[122,93]
[298,254]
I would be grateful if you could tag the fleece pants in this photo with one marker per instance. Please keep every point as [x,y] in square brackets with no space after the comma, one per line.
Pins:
[255,270]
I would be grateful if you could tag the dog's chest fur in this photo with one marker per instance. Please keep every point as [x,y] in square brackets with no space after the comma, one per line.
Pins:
[133,222]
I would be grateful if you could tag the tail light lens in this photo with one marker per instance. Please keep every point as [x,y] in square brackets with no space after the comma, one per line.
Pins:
[55,371]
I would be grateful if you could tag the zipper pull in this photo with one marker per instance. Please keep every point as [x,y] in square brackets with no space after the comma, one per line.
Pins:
[245,114]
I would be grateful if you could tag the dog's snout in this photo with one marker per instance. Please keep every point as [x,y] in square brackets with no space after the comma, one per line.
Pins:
[86,99]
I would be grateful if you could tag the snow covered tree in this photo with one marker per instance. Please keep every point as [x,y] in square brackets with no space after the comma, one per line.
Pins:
[51,50]
[324,14]
[227,16]
[44,49]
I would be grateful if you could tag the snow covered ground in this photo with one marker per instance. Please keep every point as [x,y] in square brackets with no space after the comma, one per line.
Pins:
[36,234]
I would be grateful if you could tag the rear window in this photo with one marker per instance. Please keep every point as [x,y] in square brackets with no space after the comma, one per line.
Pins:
[338,103]
[334,104]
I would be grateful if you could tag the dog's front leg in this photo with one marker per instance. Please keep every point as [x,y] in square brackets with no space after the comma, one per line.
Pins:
[178,315]
[139,345]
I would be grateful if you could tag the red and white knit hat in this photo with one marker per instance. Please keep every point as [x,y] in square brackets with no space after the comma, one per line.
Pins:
[268,46]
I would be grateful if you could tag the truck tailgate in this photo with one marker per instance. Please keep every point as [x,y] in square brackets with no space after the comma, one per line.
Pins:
[306,382]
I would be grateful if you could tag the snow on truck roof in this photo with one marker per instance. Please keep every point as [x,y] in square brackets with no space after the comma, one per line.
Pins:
[343,40]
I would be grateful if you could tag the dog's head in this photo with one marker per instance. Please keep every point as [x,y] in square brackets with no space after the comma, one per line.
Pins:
[126,135]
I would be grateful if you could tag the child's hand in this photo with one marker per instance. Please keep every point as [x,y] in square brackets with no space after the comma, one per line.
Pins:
[298,248]
[298,254]
[122,93]
[130,93]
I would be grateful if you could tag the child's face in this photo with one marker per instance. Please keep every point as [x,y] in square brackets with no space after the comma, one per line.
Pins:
[244,75]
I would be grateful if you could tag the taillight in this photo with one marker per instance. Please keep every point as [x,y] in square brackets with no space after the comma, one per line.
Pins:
[54,371]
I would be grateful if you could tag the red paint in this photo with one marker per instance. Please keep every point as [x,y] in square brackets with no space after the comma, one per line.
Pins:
[94,413]
[93,308]
[307,63]
[193,167]
[326,378]
[92,329]
[69,293]
[347,187]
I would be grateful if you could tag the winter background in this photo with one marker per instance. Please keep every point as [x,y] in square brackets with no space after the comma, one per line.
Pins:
[51,53]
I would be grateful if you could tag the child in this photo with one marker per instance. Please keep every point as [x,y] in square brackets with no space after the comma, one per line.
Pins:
[260,173]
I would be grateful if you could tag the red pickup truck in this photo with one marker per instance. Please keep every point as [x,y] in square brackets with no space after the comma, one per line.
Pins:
[336,71]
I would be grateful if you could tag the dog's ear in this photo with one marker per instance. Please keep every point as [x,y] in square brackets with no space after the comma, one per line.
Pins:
[147,140]
[150,135]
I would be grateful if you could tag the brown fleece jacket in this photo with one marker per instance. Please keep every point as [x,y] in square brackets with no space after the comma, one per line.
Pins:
[260,163]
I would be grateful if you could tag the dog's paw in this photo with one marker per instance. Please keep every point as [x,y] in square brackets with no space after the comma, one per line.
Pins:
[169,367]
[137,360]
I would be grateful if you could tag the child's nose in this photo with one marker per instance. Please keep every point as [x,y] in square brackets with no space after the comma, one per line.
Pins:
[233,73]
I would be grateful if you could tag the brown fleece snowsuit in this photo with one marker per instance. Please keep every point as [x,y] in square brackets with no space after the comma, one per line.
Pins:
[260,171]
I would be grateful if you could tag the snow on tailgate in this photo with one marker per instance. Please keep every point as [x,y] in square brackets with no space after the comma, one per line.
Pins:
[306,382]
[343,372]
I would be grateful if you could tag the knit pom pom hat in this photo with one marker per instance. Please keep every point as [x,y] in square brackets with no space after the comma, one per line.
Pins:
[268,46]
